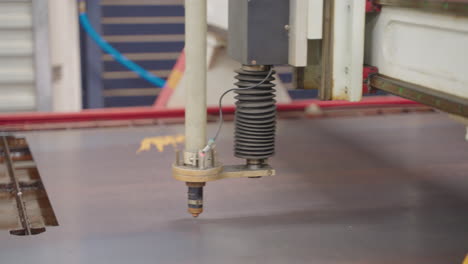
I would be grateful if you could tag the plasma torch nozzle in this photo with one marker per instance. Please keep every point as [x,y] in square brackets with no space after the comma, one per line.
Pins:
[195,198]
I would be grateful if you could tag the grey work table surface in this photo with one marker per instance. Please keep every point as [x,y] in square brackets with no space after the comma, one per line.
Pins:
[387,189]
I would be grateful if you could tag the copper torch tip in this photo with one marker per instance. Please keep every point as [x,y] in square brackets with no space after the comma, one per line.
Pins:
[195,212]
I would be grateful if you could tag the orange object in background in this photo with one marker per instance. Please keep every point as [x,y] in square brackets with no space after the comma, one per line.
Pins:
[171,84]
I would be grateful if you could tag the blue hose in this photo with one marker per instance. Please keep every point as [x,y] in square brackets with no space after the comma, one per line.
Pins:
[105,46]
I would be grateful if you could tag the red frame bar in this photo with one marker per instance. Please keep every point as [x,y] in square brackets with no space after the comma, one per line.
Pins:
[152,113]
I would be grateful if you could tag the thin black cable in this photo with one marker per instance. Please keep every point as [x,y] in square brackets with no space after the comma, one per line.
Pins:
[220,105]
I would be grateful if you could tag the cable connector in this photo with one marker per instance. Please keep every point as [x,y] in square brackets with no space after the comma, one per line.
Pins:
[81,6]
[209,146]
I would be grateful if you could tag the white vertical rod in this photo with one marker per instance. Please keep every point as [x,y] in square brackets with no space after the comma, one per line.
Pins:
[195,74]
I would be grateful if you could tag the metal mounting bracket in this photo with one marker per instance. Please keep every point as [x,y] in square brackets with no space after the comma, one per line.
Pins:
[190,174]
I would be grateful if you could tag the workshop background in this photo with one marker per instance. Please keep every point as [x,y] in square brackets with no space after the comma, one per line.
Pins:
[101,165]
[34,33]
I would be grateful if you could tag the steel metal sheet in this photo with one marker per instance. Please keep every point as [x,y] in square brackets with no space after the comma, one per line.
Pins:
[357,190]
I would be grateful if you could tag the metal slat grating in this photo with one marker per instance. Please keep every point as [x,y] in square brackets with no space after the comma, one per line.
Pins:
[25,206]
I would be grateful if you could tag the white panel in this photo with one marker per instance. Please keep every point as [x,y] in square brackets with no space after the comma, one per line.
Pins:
[17,63]
[17,97]
[19,102]
[16,42]
[348,49]
[15,15]
[17,82]
[218,13]
[15,76]
[298,33]
[315,19]
[15,8]
[422,48]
